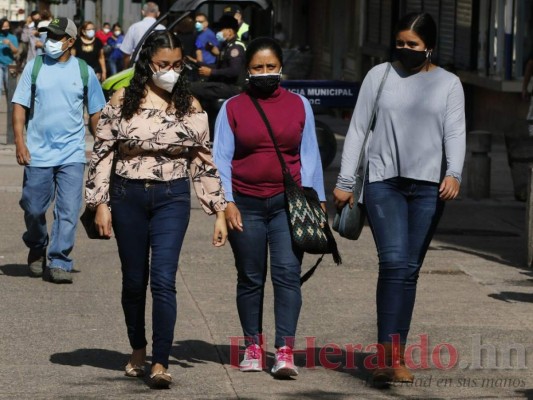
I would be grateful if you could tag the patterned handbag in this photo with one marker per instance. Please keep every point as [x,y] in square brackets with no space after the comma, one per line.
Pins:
[310,230]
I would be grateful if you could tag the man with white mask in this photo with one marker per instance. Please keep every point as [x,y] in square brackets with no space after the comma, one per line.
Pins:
[51,107]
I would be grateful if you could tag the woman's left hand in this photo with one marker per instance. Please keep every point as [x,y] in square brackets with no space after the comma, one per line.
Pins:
[221,230]
[449,188]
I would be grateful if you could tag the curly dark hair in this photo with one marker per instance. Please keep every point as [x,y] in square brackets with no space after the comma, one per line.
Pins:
[181,96]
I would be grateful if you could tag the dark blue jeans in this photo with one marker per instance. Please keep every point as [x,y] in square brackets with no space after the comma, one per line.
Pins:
[403,215]
[266,228]
[149,222]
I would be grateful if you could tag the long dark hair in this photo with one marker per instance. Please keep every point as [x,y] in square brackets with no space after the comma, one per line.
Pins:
[422,24]
[263,43]
[3,21]
[136,91]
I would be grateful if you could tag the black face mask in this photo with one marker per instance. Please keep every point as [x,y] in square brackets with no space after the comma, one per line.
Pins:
[5,32]
[266,83]
[411,59]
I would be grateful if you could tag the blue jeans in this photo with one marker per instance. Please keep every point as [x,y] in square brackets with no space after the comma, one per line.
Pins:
[403,215]
[114,65]
[4,71]
[149,221]
[266,227]
[40,186]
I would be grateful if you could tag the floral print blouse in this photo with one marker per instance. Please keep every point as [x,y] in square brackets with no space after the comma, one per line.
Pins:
[153,145]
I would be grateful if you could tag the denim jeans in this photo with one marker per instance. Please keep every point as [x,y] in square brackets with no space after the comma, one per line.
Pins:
[40,186]
[4,71]
[266,228]
[114,65]
[403,215]
[149,221]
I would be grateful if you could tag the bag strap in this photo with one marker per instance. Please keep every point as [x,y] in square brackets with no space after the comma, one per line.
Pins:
[37,64]
[284,167]
[84,72]
[286,174]
[371,122]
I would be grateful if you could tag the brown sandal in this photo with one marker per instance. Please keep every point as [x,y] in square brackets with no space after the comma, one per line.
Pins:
[133,371]
[160,380]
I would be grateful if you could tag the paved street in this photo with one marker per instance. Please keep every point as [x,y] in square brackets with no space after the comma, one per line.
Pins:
[471,329]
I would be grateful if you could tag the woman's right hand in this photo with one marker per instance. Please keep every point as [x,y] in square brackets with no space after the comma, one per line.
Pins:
[340,198]
[233,217]
[102,220]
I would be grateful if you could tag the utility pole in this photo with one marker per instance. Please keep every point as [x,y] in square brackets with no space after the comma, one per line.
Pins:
[120,12]
[98,13]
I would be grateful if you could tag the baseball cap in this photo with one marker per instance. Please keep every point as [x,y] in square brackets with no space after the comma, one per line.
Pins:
[61,26]
[227,21]
[231,10]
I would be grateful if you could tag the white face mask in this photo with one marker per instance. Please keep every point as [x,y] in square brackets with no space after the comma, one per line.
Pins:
[53,48]
[165,80]
[117,33]
[89,33]
[106,30]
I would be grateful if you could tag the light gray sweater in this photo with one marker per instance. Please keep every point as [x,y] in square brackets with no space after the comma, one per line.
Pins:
[419,131]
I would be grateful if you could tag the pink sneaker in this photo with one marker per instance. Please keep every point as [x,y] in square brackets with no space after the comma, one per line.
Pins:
[253,359]
[284,365]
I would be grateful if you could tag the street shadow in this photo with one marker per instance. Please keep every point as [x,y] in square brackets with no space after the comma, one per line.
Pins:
[189,353]
[512,259]
[510,297]
[98,358]
[527,393]
[15,270]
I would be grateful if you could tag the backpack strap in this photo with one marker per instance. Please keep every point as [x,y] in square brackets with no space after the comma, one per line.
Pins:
[84,72]
[38,63]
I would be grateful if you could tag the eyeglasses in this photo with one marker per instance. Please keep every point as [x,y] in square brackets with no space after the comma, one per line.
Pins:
[164,67]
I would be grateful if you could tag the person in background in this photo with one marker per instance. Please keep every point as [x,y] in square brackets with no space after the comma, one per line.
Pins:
[53,150]
[105,33]
[226,79]
[187,34]
[414,160]
[30,36]
[279,34]
[136,31]
[9,46]
[115,59]
[256,213]
[46,18]
[526,93]
[90,49]
[243,29]
[206,42]
[152,139]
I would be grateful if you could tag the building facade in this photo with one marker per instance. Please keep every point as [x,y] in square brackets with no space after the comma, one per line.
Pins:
[485,42]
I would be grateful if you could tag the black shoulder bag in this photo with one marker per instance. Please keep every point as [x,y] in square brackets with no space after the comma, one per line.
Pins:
[310,230]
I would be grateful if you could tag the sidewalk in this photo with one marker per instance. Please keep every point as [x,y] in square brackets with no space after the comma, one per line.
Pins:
[474,302]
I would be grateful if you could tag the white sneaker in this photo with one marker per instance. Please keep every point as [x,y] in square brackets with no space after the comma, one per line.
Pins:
[253,359]
[284,365]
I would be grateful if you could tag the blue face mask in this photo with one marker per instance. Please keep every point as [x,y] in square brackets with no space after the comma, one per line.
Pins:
[220,37]
[53,48]
[199,26]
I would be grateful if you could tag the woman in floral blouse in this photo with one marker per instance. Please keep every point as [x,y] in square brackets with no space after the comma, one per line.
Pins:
[149,137]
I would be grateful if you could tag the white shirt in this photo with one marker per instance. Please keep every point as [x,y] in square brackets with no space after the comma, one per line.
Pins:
[136,32]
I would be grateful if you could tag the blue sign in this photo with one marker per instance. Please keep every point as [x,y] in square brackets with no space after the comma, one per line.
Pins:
[335,94]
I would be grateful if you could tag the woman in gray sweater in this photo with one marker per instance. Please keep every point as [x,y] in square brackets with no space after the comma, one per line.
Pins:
[414,161]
